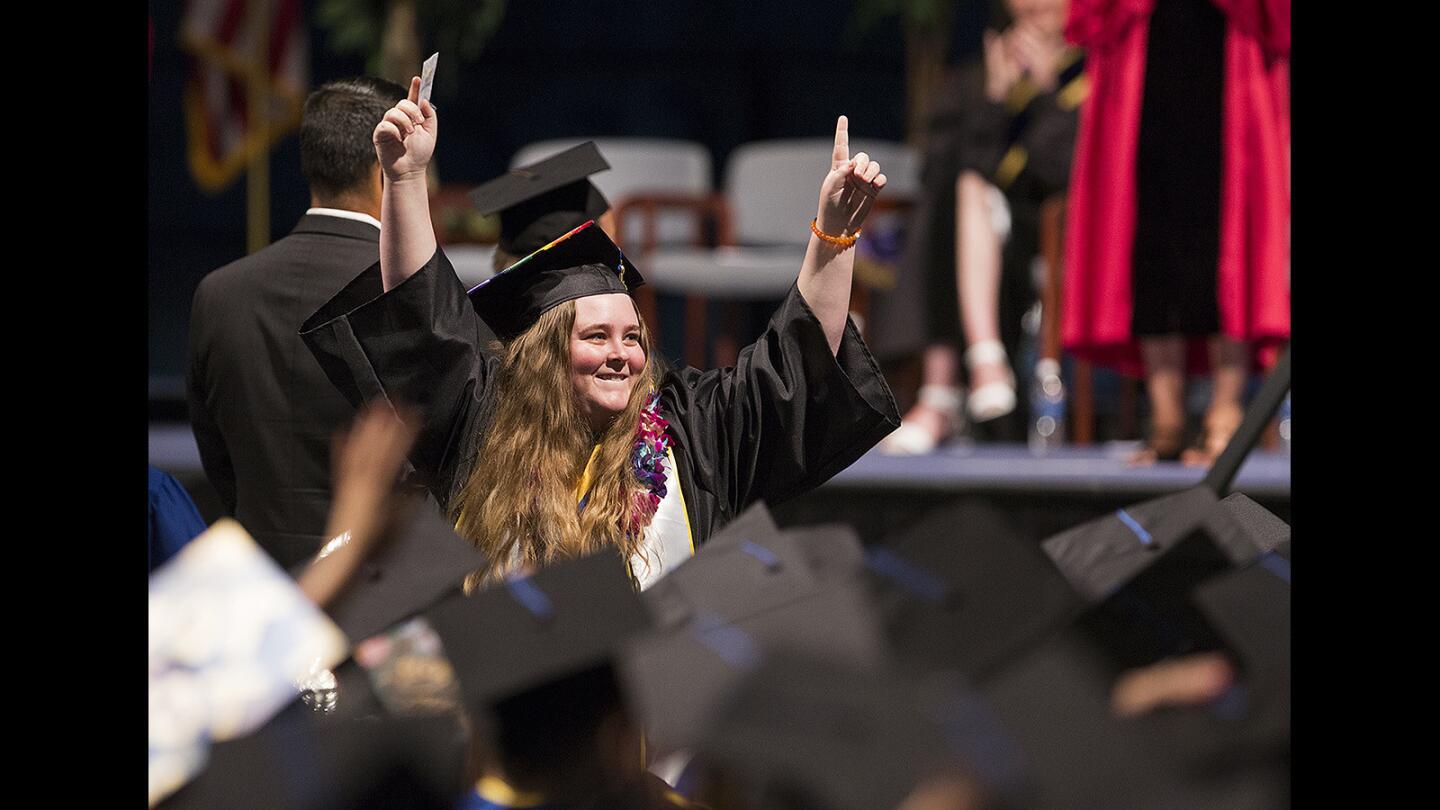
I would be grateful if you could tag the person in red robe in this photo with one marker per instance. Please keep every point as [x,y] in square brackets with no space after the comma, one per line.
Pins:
[1177,241]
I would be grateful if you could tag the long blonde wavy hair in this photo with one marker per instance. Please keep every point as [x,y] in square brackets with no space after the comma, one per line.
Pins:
[519,504]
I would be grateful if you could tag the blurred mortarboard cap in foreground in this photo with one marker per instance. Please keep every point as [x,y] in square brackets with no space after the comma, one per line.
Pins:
[230,636]
[545,199]
[755,521]
[1078,753]
[833,550]
[806,732]
[1056,701]
[1200,537]
[1137,569]
[423,563]
[302,760]
[580,263]
[749,590]
[746,568]
[524,633]
[1250,611]
[1213,742]
[1265,528]
[965,589]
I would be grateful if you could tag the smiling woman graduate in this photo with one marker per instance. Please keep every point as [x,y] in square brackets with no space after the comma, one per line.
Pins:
[575,438]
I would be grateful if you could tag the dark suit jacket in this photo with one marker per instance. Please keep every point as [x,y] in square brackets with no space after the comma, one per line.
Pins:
[262,411]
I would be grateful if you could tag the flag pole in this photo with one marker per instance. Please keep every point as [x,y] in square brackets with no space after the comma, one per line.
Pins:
[257,175]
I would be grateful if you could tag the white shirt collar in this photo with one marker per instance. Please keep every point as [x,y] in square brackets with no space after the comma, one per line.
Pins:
[336,212]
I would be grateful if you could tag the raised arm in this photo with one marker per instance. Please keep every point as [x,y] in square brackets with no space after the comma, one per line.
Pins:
[404,141]
[846,197]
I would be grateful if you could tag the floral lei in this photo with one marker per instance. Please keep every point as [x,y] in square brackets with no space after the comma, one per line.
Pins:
[648,461]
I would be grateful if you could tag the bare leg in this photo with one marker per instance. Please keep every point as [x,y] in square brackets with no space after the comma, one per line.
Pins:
[935,415]
[1165,383]
[977,267]
[1229,362]
[939,365]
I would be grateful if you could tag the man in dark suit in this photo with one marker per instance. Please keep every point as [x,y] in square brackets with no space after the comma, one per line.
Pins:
[262,410]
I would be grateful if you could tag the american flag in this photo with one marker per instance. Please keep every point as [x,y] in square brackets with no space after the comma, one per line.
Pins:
[221,36]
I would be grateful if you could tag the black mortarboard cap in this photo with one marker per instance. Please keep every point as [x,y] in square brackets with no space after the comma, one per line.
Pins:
[422,564]
[1137,567]
[793,565]
[966,589]
[833,550]
[1079,753]
[301,760]
[1265,528]
[1198,583]
[1250,611]
[820,733]
[540,202]
[1099,556]
[748,590]
[748,567]
[524,633]
[579,263]
[755,522]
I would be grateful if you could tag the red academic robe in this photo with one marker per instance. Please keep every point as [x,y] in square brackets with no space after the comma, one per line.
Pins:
[1253,275]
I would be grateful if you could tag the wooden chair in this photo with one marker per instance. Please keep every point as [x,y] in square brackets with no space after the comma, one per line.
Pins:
[1082,387]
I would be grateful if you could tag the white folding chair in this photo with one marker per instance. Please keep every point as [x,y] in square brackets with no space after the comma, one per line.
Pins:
[771,191]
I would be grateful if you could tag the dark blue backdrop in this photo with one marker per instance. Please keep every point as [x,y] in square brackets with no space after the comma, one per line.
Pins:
[721,73]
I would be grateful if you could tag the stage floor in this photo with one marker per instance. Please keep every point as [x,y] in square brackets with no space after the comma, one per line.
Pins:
[1013,468]
[1049,493]
[881,495]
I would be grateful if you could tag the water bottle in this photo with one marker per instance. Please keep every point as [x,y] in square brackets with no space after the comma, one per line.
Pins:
[1285,426]
[1047,407]
[319,688]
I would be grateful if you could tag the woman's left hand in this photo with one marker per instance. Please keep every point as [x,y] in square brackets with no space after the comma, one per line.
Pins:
[849,190]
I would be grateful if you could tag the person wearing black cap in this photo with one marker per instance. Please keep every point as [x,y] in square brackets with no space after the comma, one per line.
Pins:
[578,410]
[551,727]
[542,201]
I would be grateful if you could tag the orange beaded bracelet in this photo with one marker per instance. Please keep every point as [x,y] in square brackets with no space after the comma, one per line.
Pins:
[841,242]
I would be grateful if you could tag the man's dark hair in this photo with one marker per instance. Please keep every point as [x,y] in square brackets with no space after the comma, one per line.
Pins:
[336,151]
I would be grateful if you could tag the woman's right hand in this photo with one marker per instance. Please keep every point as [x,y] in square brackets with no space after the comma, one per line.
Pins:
[405,137]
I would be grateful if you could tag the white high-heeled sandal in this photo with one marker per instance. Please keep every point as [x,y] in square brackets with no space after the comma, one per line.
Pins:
[911,439]
[992,400]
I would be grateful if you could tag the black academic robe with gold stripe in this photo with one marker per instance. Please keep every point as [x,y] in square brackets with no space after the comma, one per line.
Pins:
[785,419]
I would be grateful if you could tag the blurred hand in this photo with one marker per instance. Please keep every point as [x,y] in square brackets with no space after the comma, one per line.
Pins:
[848,191]
[364,465]
[1037,54]
[1002,69]
[405,137]
[948,790]
[1184,681]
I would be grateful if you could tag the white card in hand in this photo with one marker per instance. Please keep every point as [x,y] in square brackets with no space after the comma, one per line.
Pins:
[427,75]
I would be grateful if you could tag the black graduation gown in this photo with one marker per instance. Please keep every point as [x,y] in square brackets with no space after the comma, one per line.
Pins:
[1025,147]
[785,419]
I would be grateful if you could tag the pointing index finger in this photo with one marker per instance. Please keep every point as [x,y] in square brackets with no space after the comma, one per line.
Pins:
[414,89]
[842,141]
